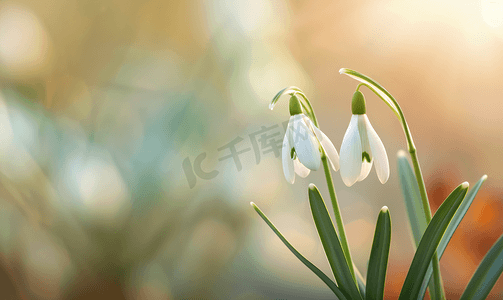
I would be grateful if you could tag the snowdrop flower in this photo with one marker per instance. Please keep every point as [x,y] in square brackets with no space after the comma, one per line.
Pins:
[361,147]
[303,145]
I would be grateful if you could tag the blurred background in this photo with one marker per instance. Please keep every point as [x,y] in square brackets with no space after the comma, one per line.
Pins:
[134,134]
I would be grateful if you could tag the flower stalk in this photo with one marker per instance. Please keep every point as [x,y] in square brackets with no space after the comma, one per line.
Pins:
[308,110]
[436,288]
[338,216]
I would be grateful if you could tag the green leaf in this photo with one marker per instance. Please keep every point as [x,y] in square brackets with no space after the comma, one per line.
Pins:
[378,262]
[331,244]
[304,260]
[417,217]
[453,225]
[361,281]
[429,243]
[412,197]
[486,274]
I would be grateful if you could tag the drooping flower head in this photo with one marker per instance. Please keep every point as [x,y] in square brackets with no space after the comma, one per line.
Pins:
[304,145]
[362,147]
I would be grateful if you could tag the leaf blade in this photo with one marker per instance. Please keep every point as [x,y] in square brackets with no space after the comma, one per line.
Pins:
[378,262]
[487,273]
[453,225]
[304,260]
[412,198]
[429,243]
[360,280]
[331,244]
[418,220]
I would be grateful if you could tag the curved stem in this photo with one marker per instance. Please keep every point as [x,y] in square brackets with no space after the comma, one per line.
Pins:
[310,109]
[331,191]
[306,104]
[436,286]
[338,217]
[333,196]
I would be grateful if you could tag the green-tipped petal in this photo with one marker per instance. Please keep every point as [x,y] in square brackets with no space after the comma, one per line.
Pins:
[288,165]
[378,152]
[351,153]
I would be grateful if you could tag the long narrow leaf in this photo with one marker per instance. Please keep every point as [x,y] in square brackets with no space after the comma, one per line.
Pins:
[304,260]
[416,213]
[453,225]
[361,281]
[486,274]
[430,241]
[378,262]
[331,244]
[412,197]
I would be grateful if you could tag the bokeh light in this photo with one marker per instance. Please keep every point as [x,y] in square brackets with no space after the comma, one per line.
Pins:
[118,118]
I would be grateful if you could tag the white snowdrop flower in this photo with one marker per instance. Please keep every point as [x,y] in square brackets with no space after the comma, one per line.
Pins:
[303,145]
[361,147]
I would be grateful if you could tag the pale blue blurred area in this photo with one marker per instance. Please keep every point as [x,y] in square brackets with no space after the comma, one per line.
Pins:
[92,171]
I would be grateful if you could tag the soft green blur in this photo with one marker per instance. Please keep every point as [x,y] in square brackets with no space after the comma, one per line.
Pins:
[118,120]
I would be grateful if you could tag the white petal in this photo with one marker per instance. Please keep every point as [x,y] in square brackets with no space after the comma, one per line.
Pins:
[362,128]
[300,169]
[379,153]
[305,143]
[328,147]
[288,168]
[366,166]
[351,153]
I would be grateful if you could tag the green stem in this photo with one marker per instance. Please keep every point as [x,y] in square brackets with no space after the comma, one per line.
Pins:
[333,196]
[338,217]
[310,110]
[437,292]
[306,104]
[436,284]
